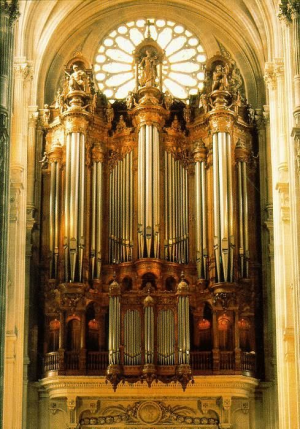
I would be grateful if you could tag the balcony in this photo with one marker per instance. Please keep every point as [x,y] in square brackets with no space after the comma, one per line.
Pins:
[95,363]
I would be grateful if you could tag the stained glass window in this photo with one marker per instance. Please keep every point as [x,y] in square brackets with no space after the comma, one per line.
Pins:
[183,66]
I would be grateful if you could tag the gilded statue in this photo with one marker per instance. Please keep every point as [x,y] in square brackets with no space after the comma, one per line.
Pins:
[168,99]
[130,101]
[44,161]
[220,78]
[204,102]
[109,113]
[149,71]
[77,79]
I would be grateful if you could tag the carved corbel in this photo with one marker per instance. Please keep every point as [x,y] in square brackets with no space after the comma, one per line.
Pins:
[71,404]
[283,189]
[270,76]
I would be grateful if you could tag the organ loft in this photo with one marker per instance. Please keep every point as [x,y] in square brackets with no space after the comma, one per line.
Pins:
[150,268]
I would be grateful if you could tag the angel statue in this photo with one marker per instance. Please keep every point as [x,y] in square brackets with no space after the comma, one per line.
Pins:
[220,78]
[149,71]
[77,79]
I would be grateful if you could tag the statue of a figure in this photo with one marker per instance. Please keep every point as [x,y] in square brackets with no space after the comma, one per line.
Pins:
[77,80]
[59,104]
[109,113]
[236,79]
[187,114]
[121,125]
[204,102]
[220,78]
[46,114]
[148,66]
[251,114]
[44,161]
[168,99]
[130,100]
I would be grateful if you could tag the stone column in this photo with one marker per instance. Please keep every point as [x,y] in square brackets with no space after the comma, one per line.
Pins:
[295,189]
[279,92]
[8,14]
[15,374]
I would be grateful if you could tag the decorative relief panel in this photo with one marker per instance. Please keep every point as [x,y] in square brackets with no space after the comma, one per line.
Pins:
[150,413]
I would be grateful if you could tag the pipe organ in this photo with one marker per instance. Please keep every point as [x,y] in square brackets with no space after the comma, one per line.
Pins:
[150,217]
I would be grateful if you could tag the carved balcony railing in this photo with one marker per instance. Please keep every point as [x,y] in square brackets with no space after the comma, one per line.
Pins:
[96,363]
[201,361]
[248,362]
[227,362]
[51,362]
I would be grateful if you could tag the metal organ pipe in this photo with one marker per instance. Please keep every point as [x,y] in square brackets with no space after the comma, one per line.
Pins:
[51,217]
[56,217]
[114,325]
[176,210]
[99,215]
[245,217]
[74,206]
[93,220]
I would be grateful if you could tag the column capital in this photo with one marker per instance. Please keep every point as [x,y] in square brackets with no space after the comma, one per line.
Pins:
[294,7]
[284,13]
[11,9]
[270,76]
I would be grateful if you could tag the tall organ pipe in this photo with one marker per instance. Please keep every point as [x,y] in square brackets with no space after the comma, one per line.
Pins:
[52,214]
[114,324]
[67,206]
[149,330]
[183,323]
[93,220]
[217,232]
[56,217]
[81,200]
[245,213]
[99,215]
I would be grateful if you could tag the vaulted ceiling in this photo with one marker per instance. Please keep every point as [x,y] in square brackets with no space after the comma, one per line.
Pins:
[50,32]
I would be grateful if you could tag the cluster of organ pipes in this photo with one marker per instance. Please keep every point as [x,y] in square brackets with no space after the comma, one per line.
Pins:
[148,192]
[75,177]
[166,337]
[132,338]
[121,211]
[223,207]
[148,195]
[176,211]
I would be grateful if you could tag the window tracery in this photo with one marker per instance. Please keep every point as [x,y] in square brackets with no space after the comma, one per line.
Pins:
[183,65]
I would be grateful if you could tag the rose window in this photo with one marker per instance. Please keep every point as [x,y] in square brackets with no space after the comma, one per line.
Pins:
[183,65]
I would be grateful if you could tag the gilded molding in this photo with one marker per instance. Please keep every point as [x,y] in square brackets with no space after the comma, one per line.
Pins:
[76,124]
[221,121]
